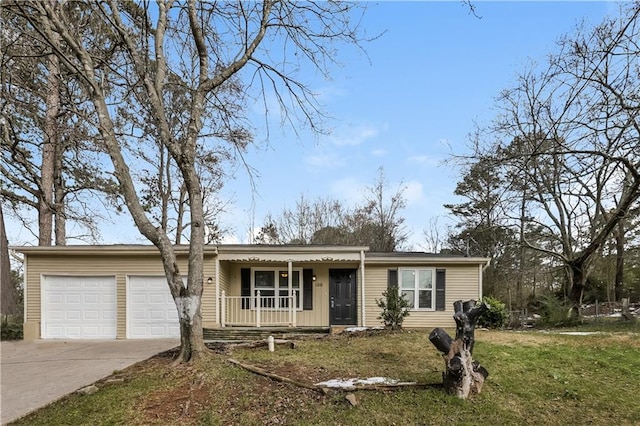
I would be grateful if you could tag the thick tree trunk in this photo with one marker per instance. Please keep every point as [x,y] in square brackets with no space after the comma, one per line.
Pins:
[463,377]
[51,139]
[60,218]
[619,281]
[578,280]
[189,304]
[192,345]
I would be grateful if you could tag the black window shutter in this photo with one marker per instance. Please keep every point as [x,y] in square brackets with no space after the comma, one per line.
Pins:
[307,289]
[392,279]
[440,289]
[245,287]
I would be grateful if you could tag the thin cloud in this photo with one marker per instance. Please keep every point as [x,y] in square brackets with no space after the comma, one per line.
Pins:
[353,135]
[323,160]
[418,159]
[414,192]
[349,189]
[379,152]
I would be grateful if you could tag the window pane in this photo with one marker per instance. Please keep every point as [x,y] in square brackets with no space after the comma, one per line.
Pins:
[424,299]
[284,279]
[408,295]
[264,279]
[424,278]
[407,278]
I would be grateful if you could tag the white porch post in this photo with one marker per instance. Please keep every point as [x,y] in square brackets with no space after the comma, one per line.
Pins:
[290,292]
[218,316]
[295,308]
[223,309]
[362,294]
[258,303]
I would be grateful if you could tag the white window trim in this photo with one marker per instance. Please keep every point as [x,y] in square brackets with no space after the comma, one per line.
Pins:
[416,298]
[277,288]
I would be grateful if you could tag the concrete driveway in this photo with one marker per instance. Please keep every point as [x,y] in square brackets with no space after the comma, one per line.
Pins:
[36,373]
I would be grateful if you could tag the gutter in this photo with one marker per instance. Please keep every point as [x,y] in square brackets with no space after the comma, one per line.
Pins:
[363,284]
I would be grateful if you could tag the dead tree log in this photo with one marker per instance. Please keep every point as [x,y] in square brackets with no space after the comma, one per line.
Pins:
[274,376]
[463,376]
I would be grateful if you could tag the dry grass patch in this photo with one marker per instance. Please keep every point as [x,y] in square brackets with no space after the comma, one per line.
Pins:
[535,378]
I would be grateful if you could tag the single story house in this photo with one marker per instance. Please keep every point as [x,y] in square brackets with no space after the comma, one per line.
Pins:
[120,292]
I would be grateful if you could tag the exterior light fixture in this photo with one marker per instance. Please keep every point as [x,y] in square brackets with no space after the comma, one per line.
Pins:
[209,280]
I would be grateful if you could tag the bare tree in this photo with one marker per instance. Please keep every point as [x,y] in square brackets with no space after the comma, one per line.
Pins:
[303,224]
[572,155]
[207,44]
[434,236]
[376,223]
[386,231]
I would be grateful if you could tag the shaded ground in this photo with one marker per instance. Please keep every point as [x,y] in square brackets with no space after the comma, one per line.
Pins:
[196,394]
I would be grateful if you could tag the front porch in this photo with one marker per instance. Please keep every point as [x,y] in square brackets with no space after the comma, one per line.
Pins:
[283,286]
[259,311]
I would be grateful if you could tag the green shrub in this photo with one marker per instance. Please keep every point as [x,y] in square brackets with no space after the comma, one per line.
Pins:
[556,313]
[394,308]
[496,316]
[10,330]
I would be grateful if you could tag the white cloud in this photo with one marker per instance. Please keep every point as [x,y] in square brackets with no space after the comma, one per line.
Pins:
[348,189]
[353,135]
[328,93]
[230,239]
[379,152]
[423,160]
[414,192]
[323,160]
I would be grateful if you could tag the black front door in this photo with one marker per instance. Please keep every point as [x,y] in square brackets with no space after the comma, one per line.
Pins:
[343,303]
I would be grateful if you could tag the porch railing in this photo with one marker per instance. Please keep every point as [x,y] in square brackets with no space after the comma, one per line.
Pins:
[258,310]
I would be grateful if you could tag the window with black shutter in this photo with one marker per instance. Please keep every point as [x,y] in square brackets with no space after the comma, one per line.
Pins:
[440,289]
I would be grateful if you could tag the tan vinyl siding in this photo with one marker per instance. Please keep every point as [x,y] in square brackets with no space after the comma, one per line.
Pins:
[462,283]
[319,315]
[120,266]
[223,283]
[376,284]
[208,308]
[224,276]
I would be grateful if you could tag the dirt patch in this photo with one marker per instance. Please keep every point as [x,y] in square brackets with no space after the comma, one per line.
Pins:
[180,404]
[215,391]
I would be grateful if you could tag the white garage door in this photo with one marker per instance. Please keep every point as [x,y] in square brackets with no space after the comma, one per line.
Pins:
[78,307]
[151,311]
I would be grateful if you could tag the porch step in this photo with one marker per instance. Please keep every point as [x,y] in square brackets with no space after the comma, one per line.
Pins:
[258,333]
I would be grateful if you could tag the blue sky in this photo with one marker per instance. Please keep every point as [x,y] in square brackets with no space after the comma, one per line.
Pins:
[406,107]
[434,72]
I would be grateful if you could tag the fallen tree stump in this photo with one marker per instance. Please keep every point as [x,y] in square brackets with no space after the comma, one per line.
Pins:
[463,377]
[274,376]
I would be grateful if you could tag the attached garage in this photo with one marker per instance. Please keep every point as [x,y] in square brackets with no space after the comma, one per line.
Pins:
[151,311]
[78,307]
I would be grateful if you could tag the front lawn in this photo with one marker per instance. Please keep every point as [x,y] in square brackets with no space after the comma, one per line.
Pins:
[535,378]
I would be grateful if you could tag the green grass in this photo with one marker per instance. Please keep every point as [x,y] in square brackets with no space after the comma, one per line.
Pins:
[535,378]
